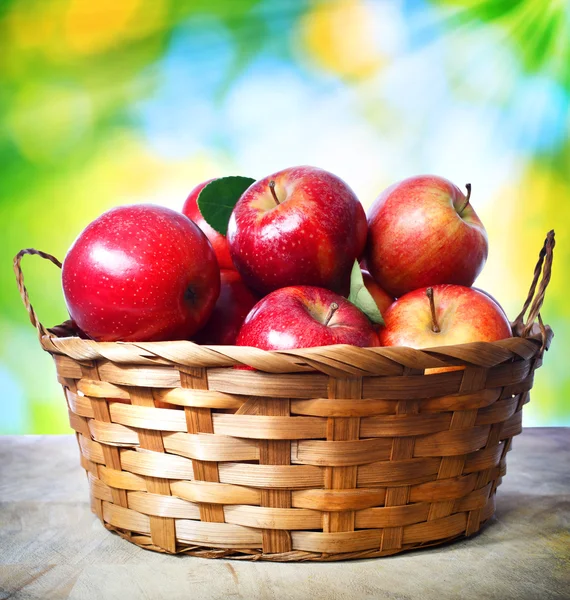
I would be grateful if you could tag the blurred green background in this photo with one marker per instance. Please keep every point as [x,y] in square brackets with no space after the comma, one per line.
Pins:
[106,103]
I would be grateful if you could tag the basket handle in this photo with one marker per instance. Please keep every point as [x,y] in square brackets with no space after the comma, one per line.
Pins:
[535,298]
[24,292]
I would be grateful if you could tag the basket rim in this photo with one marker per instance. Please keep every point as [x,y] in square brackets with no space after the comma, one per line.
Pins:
[333,359]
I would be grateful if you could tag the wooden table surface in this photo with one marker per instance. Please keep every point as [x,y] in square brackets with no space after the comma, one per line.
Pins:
[52,546]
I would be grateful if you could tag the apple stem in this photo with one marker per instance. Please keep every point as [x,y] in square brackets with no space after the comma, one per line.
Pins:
[435,325]
[468,187]
[332,309]
[272,188]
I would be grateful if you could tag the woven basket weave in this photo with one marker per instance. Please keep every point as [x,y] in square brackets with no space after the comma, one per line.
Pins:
[320,454]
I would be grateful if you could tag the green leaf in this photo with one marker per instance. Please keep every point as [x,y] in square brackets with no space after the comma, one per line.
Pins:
[217,200]
[361,297]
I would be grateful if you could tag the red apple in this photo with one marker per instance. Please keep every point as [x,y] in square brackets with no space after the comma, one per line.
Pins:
[218,241]
[233,305]
[300,226]
[141,272]
[423,231]
[382,299]
[493,299]
[460,315]
[303,317]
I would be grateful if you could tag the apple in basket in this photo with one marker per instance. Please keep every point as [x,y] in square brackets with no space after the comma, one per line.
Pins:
[443,315]
[233,305]
[141,272]
[303,317]
[423,231]
[383,300]
[218,241]
[300,226]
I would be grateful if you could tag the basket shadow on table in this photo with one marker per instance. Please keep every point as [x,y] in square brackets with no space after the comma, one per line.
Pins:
[519,516]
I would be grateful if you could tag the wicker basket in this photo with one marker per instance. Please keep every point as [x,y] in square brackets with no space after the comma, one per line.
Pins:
[320,454]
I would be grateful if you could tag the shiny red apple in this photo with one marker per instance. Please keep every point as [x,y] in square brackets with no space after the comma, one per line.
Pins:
[423,231]
[218,241]
[382,299]
[300,226]
[304,317]
[140,272]
[454,314]
[233,305]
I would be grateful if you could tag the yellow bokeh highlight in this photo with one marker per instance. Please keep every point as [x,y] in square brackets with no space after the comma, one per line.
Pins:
[542,198]
[32,25]
[33,34]
[517,220]
[92,27]
[61,30]
[339,37]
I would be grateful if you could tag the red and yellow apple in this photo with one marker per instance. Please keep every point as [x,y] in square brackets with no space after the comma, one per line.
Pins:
[218,241]
[304,317]
[423,231]
[140,272]
[454,314]
[300,226]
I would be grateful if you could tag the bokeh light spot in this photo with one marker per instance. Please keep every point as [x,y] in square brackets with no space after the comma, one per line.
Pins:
[95,26]
[340,38]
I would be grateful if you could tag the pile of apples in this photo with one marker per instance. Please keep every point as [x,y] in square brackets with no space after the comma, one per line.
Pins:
[288,261]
